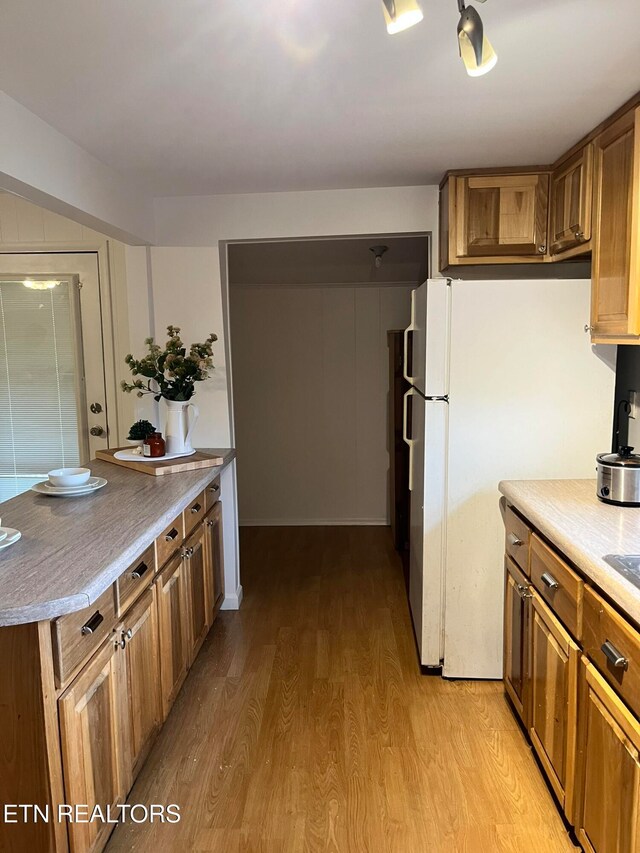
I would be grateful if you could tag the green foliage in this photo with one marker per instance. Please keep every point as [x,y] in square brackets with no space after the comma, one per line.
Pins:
[170,372]
[140,430]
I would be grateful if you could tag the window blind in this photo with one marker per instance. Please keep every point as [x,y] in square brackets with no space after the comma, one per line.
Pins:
[38,384]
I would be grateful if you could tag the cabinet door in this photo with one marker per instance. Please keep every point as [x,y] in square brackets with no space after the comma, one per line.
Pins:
[173,614]
[615,270]
[554,686]
[608,790]
[572,203]
[197,576]
[142,656]
[215,558]
[94,743]
[516,639]
[502,216]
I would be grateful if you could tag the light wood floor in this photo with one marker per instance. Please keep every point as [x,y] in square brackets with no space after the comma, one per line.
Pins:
[305,724]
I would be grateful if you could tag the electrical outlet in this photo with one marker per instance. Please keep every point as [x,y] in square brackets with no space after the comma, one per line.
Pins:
[634,402]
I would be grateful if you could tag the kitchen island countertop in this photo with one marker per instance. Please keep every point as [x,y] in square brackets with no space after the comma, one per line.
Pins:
[584,529]
[72,549]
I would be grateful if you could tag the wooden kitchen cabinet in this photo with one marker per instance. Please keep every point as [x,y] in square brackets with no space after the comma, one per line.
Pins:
[215,558]
[197,576]
[571,204]
[554,676]
[139,634]
[94,742]
[615,293]
[173,629]
[607,817]
[517,612]
[494,219]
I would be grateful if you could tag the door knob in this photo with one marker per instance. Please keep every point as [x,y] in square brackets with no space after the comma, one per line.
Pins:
[96,408]
[96,430]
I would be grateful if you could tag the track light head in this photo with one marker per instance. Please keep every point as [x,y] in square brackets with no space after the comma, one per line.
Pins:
[475,48]
[399,15]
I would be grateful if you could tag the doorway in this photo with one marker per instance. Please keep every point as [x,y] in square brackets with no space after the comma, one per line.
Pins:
[309,322]
[52,369]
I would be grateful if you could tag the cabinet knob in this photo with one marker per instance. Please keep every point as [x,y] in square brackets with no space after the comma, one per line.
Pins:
[588,328]
[186,553]
[579,235]
[542,248]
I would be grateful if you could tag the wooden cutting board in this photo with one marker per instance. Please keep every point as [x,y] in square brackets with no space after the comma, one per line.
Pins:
[167,466]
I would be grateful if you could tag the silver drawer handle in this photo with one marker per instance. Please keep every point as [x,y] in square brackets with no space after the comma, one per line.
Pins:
[513,540]
[93,624]
[215,488]
[550,581]
[171,535]
[613,655]
[196,508]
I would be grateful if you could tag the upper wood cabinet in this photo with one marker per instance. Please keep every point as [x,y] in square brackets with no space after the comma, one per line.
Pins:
[494,219]
[615,295]
[571,205]
[607,816]
[94,743]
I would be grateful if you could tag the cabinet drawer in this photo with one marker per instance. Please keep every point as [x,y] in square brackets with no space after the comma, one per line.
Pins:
[518,537]
[135,580]
[77,635]
[605,627]
[194,513]
[169,541]
[212,494]
[558,585]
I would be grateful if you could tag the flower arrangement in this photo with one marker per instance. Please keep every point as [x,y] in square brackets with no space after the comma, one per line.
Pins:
[170,373]
[140,430]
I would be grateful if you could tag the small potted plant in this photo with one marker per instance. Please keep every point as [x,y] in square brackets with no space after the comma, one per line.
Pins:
[139,431]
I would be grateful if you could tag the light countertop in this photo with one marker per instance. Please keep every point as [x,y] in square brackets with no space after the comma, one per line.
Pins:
[584,529]
[72,549]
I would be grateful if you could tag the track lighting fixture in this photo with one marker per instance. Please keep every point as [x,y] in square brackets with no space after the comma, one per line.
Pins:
[378,252]
[476,51]
[401,14]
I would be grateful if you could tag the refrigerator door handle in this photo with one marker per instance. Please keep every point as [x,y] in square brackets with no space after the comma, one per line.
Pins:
[405,361]
[409,441]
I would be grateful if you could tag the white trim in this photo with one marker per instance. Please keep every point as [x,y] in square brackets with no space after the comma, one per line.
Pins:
[314,522]
[233,601]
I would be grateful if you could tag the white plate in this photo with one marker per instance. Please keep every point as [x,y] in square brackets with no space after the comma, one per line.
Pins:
[3,533]
[41,489]
[130,456]
[92,483]
[12,536]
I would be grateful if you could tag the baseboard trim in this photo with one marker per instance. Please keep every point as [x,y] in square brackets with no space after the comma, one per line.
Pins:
[314,522]
[232,601]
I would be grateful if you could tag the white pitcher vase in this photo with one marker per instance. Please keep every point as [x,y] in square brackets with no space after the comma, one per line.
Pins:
[179,425]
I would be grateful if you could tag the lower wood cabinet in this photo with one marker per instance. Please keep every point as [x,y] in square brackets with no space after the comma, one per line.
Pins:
[139,636]
[215,557]
[554,676]
[94,743]
[197,571]
[517,610]
[607,816]
[173,614]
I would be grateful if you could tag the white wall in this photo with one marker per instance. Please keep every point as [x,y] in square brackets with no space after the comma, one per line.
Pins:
[46,168]
[311,376]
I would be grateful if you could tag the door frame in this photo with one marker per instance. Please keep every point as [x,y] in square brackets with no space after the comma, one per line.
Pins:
[111,340]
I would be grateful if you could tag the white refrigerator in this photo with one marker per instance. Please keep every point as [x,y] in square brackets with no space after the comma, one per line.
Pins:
[505,385]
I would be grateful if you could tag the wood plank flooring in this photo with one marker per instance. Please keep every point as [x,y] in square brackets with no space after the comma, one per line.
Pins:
[305,724]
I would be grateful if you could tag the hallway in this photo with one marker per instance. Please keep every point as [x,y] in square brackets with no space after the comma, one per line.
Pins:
[305,724]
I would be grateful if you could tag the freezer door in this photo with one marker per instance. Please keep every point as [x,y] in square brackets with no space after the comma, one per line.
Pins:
[427,338]
[427,440]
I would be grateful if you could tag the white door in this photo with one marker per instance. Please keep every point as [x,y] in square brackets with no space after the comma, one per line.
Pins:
[52,377]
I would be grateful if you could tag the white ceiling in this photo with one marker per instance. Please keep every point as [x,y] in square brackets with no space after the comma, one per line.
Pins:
[222,96]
